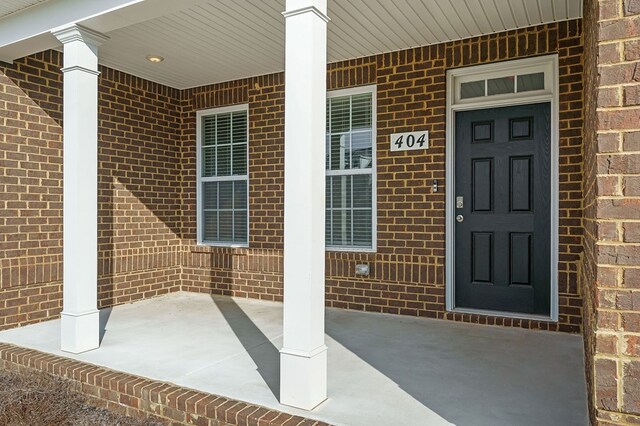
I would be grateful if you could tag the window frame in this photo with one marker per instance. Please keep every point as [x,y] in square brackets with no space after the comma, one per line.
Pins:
[200,180]
[351,91]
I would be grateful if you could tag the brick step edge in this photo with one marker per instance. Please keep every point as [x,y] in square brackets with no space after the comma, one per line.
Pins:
[141,397]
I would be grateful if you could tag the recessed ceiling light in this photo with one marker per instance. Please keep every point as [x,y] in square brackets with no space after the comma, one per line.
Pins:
[155,59]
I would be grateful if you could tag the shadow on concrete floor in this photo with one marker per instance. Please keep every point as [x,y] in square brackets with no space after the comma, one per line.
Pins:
[104,319]
[263,352]
[473,375]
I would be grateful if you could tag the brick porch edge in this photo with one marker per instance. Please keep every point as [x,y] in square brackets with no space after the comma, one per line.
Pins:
[140,397]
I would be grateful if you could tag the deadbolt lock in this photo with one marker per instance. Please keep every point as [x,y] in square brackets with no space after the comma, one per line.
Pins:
[459,202]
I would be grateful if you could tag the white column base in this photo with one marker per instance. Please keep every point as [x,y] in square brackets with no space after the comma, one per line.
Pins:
[303,378]
[80,332]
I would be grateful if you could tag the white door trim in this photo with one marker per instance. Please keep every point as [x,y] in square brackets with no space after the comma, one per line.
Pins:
[549,65]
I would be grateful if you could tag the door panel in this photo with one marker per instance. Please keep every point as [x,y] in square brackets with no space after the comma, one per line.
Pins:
[502,245]
[521,179]
[521,257]
[482,184]
[482,253]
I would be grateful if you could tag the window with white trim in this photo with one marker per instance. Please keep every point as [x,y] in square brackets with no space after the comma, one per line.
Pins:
[222,176]
[350,164]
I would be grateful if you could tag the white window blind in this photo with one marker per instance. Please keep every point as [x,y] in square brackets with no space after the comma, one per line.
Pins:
[350,220]
[223,178]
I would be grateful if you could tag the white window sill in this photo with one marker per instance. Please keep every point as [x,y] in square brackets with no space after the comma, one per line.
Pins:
[351,249]
[205,247]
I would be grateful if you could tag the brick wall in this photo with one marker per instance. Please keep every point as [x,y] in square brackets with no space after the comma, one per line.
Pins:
[30,190]
[139,188]
[147,204]
[257,271]
[140,126]
[407,271]
[610,272]
[587,267]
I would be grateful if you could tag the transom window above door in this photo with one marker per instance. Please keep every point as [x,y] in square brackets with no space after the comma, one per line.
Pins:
[502,85]
[522,78]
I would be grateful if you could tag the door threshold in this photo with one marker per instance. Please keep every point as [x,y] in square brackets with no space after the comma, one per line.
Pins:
[514,315]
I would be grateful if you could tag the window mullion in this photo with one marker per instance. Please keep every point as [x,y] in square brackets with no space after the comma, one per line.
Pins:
[226,178]
[350,172]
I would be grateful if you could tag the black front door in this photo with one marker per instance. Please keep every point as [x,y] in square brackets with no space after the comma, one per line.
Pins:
[502,209]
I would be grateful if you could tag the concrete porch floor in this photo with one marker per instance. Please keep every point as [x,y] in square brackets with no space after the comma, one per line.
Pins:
[383,370]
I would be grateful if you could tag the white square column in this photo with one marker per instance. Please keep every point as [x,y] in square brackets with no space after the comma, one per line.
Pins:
[80,325]
[303,358]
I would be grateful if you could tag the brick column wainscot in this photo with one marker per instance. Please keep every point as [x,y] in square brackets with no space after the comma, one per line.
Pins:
[610,273]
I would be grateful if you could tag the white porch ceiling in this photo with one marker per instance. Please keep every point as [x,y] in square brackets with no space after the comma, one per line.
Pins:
[219,40]
[7,7]
[209,41]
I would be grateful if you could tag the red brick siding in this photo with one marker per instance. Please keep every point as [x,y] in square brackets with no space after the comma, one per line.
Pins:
[139,188]
[254,272]
[609,272]
[140,216]
[408,268]
[590,235]
[30,190]
[411,217]
[147,192]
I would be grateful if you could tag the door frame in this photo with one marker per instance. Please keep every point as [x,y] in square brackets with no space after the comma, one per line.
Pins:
[549,65]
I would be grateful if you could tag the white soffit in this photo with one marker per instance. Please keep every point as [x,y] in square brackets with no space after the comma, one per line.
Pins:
[7,7]
[219,40]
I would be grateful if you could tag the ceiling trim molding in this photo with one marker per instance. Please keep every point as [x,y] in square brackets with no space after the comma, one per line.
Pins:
[45,17]
[30,30]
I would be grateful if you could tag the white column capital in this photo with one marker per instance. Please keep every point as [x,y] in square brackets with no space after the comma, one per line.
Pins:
[300,7]
[75,32]
[304,10]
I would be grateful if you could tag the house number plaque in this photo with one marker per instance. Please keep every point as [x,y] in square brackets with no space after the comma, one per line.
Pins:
[410,141]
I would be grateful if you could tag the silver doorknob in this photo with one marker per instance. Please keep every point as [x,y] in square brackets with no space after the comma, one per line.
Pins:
[459,218]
